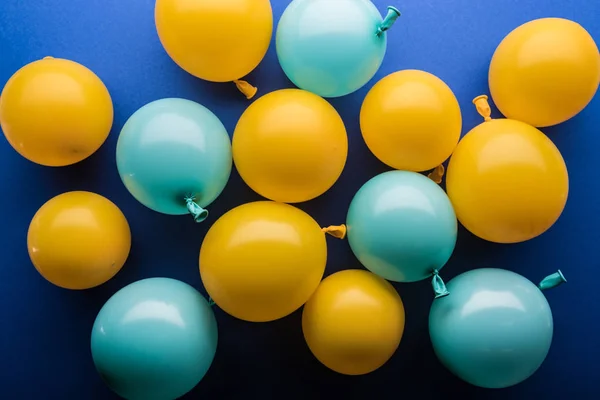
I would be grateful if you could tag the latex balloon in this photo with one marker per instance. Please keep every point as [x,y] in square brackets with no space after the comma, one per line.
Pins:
[545,72]
[174,156]
[216,40]
[78,240]
[290,146]
[401,226]
[154,339]
[55,112]
[507,181]
[262,261]
[495,328]
[354,322]
[332,48]
[411,120]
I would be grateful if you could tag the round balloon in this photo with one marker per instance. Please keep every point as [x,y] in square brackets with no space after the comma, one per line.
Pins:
[290,146]
[262,261]
[332,48]
[55,112]
[78,240]
[411,120]
[545,72]
[507,181]
[216,40]
[401,226]
[495,328]
[174,156]
[155,339]
[354,322]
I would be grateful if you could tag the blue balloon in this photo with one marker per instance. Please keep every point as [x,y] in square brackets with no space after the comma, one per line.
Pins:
[174,156]
[332,48]
[402,227]
[155,339]
[494,330]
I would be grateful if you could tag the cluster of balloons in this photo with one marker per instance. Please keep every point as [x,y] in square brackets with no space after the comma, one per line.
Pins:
[506,183]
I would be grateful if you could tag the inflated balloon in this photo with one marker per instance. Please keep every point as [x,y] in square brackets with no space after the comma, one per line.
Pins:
[401,226]
[55,112]
[545,72]
[78,240]
[174,156]
[507,181]
[154,339]
[411,120]
[354,322]
[262,261]
[290,146]
[332,48]
[216,40]
[495,328]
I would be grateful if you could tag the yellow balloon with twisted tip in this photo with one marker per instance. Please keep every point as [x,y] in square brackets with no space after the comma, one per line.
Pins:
[545,72]
[507,181]
[216,40]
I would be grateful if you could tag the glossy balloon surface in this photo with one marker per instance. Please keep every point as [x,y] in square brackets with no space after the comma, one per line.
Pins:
[155,339]
[401,226]
[173,148]
[330,47]
[494,330]
[507,181]
[545,71]
[55,112]
[78,240]
[215,40]
[411,120]
[262,261]
[354,322]
[290,146]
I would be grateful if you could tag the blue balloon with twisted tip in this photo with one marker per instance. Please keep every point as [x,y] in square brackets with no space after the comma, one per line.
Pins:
[332,48]
[495,328]
[402,227]
[174,156]
[154,339]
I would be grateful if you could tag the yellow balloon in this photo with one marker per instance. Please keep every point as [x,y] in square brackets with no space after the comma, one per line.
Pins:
[545,72]
[411,120]
[290,146]
[507,181]
[262,261]
[216,40]
[354,322]
[78,240]
[55,112]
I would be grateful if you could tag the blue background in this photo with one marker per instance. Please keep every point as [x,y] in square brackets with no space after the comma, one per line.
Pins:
[45,331]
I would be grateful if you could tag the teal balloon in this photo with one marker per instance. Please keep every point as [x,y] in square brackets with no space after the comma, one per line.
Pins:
[154,339]
[332,48]
[401,226]
[494,330]
[174,157]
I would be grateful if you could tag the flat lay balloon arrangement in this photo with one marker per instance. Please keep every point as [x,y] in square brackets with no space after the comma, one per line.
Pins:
[506,182]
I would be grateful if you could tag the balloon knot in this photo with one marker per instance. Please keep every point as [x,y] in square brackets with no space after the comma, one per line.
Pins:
[337,231]
[437,174]
[199,213]
[247,89]
[439,287]
[388,21]
[211,302]
[483,107]
[552,281]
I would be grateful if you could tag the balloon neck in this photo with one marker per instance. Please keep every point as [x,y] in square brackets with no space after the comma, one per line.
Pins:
[552,281]
[437,174]
[389,20]
[439,287]
[211,302]
[483,107]
[247,89]
[199,213]
[337,231]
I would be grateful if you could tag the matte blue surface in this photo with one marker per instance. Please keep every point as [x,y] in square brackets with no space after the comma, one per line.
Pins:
[401,226]
[154,339]
[45,335]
